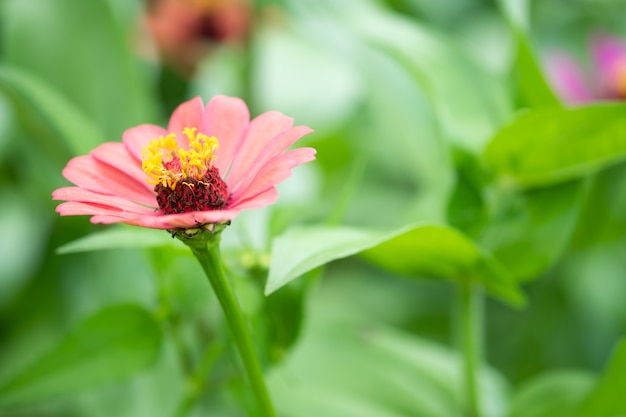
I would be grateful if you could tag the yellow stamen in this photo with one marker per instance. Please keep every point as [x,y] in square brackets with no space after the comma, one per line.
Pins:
[166,163]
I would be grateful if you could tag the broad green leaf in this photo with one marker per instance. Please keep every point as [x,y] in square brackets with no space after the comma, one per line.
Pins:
[427,250]
[550,145]
[115,343]
[303,249]
[557,393]
[532,228]
[444,253]
[121,237]
[607,397]
[60,128]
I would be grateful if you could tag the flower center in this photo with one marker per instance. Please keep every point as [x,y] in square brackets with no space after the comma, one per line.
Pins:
[185,179]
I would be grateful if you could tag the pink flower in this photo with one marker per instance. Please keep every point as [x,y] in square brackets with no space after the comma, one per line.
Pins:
[605,81]
[210,163]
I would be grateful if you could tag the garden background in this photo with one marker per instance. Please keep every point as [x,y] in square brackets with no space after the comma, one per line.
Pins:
[446,157]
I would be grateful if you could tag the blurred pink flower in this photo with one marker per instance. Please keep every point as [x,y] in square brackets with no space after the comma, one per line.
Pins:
[605,81]
[210,163]
[184,31]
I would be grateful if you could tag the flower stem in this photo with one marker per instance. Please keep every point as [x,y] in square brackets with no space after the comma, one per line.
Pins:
[209,257]
[471,332]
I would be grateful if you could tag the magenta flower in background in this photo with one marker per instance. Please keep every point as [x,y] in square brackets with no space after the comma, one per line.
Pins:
[605,80]
[210,163]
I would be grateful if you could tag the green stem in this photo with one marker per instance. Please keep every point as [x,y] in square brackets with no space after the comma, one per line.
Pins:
[209,257]
[471,318]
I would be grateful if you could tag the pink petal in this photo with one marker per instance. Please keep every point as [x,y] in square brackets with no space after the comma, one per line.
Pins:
[91,174]
[274,171]
[116,155]
[609,55]
[261,131]
[138,137]
[188,114]
[227,119]
[260,200]
[74,208]
[85,196]
[567,79]
[275,147]
[186,220]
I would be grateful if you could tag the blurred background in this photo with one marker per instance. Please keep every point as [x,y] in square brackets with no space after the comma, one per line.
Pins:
[404,96]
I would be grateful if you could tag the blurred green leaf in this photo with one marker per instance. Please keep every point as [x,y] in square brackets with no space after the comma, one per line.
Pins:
[113,344]
[607,397]
[470,103]
[354,371]
[427,250]
[551,145]
[444,253]
[532,228]
[557,393]
[533,89]
[121,237]
[97,70]
[603,212]
[25,229]
[60,128]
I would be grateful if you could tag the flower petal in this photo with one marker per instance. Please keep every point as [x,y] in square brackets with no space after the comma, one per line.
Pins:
[227,119]
[567,79]
[188,114]
[85,196]
[273,172]
[275,147]
[261,131]
[186,220]
[262,199]
[91,174]
[138,137]
[609,56]
[116,155]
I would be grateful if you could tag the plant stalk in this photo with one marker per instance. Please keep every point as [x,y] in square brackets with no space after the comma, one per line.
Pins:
[209,258]
[471,332]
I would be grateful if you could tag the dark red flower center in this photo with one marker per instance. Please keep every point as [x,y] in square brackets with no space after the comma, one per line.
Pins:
[190,194]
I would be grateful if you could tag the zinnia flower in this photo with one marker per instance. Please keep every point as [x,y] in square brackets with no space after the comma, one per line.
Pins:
[606,79]
[210,163]
[185,30]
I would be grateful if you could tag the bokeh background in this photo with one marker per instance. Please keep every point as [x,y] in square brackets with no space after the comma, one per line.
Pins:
[404,96]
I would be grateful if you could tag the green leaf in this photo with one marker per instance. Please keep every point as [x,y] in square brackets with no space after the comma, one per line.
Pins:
[121,237]
[411,376]
[537,223]
[301,250]
[607,397]
[469,102]
[533,89]
[551,145]
[60,128]
[443,253]
[557,393]
[113,344]
[97,71]
[426,250]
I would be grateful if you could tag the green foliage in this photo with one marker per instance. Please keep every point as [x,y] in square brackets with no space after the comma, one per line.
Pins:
[112,344]
[552,145]
[445,156]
